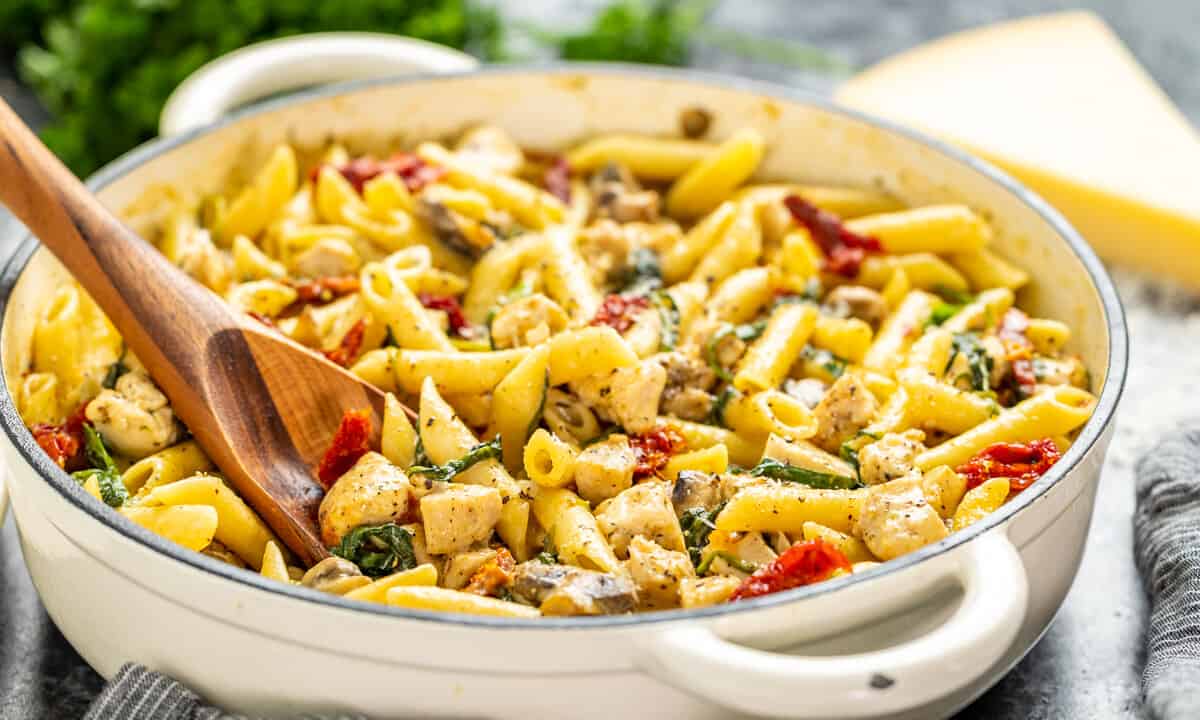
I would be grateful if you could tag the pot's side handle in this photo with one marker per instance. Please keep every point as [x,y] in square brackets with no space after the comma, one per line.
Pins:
[264,69]
[884,682]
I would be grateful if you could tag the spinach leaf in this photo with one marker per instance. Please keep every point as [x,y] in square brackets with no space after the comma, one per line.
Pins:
[445,473]
[108,477]
[716,416]
[979,363]
[771,468]
[643,274]
[697,524]
[736,562]
[668,313]
[378,550]
[115,371]
[745,333]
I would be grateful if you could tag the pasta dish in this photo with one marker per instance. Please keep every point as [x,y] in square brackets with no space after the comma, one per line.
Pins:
[642,378]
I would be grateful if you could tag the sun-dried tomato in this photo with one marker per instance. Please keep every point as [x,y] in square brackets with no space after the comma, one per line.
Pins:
[63,442]
[495,574]
[323,290]
[557,179]
[350,442]
[619,312]
[457,321]
[1021,463]
[844,249]
[1019,350]
[414,171]
[654,449]
[804,563]
[349,345]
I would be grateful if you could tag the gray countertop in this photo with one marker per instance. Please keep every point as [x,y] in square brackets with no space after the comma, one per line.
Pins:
[1089,663]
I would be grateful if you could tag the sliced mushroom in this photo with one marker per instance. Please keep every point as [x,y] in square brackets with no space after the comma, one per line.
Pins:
[695,489]
[459,233]
[334,575]
[567,590]
[618,196]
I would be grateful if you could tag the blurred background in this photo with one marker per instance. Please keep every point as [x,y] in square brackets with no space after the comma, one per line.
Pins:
[93,75]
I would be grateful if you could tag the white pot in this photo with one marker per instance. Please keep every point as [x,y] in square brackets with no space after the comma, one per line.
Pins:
[917,637]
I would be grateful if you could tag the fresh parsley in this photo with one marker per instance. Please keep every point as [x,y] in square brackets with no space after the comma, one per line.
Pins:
[378,550]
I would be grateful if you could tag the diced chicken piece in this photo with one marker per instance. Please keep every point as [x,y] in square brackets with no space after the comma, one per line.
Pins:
[891,457]
[329,257]
[458,516]
[807,390]
[372,492]
[856,301]
[688,381]
[695,489]
[133,418]
[657,572]
[847,408]
[643,510]
[628,396]
[460,567]
[528,321]
[697,592]
[1065,371]
[605,468]
[490,147]
[567,590]
[197,256]
[617,195]
[896,519]
[605,246]
[750,548]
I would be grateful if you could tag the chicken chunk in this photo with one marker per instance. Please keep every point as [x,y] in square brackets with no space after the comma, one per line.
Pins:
[689,379]
[528,321]
[457,516]
[371,493]
[605,468]
[657,573]
[133,418]
[460,567]
[606,247]
[896,519]
[329,257]
[856,301]
[197,256]
[1065,371]
[490,147]
[643,510]
[847,408]
[628,396]
[618,196]
[568,590]
[891,457]
[695,489]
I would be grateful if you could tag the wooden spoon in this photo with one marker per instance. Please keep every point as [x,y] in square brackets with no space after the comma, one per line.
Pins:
[263,407]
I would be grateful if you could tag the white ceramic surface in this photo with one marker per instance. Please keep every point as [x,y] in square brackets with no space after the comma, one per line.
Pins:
[918,637]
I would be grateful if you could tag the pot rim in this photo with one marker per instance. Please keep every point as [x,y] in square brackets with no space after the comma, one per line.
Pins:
[1093,430]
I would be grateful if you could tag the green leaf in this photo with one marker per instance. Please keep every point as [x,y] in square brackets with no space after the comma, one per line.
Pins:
[445,473]
[734,561]
[829,362]
[979,362]
[115,371]
[378,550]
[697,524]
[668,314]
[643,274]
[771,468]
[112,489]
[717,415]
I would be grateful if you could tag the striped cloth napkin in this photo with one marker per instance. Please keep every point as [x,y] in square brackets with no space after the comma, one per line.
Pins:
[1166,526]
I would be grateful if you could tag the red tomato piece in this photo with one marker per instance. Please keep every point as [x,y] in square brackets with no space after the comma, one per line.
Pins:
[63,442]
[620,311]
[804,563]
[459,325]
[557,179]
[323,290]
[1021,463]
[350,442]
[349,346]
[844,249]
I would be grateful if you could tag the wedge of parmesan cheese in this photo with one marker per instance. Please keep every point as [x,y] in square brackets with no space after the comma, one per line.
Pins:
[1059,102]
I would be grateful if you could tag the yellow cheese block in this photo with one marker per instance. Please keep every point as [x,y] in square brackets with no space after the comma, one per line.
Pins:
[1059,102]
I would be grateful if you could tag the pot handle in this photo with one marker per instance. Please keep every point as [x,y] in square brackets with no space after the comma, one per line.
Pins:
[694,658]
[264,69]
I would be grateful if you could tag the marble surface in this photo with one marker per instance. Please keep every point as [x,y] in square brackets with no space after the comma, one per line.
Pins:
[1088,664]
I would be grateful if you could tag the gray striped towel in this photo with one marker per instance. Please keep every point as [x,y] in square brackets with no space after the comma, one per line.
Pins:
[1166,526]
[136,693]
